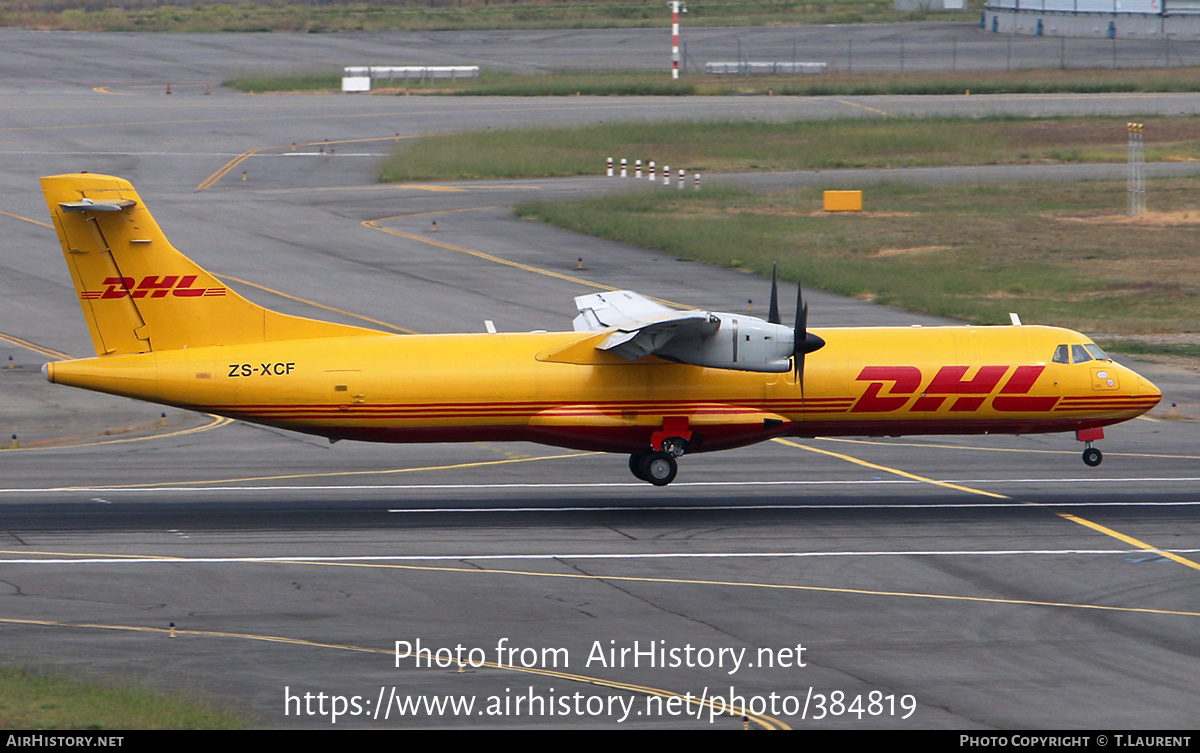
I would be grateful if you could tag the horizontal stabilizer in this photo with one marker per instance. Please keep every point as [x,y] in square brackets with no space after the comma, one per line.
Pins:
[87,205]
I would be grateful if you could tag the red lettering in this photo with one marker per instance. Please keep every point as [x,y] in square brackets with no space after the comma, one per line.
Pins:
[967,404]
[1020,383]
[118,287]
[928,403]
[155,284]
[949,380]
[906,380]
[185,289]
[1022,380]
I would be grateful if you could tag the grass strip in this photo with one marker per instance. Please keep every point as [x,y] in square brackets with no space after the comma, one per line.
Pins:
[651,83]
[1060,254]
[728,146]
[30,701]
[379,15]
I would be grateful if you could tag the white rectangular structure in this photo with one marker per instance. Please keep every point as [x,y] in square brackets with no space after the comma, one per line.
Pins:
[747,68]
[358,78]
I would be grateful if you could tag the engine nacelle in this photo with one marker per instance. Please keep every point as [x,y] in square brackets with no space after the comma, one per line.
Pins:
[744,343]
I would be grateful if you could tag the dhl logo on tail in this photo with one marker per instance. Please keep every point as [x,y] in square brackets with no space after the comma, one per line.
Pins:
[151,286]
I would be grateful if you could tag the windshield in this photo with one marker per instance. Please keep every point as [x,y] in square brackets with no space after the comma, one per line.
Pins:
[1079,353]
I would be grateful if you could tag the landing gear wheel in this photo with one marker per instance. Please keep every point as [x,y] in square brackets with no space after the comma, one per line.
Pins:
[635,464]
[659,468]
[1092,457]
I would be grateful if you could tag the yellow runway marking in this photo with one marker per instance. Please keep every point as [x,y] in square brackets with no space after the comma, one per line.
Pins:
[448,211]
[281,294]
[224,169]
[872,109]
[433,188]
[216,423]
[496,259]
[1065,516]
[702,582]
[211,180]
[931,445]
[1128,539]
[26,219]
[22,343]
[894,471]
[766,722]
[332,474]
[86,554]
[409,187]
[754,584]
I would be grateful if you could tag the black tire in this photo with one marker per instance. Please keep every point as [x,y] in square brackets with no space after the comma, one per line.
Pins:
[659,468]
[635,465]
[1092,457]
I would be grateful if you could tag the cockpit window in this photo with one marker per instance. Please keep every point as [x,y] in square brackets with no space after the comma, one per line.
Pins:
[1079,353]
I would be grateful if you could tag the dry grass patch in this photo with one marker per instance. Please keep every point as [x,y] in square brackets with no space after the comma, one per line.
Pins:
[972,253]
[1149,219]
[913,251]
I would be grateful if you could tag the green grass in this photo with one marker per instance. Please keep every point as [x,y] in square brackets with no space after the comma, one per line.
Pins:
[1054,253]
[381,15]
[1144,348]
[737,146]
[35,702]
[644,83]
[313,79]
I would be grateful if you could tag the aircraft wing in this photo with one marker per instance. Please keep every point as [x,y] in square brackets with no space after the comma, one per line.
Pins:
[642,326]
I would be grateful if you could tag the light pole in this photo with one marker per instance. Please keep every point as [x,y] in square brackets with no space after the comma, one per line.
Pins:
[676,6]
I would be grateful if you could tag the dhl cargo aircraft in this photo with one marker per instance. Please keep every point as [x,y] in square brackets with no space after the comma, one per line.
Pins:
[633,376]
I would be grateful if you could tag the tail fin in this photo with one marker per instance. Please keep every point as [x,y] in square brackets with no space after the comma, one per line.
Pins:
[138,293]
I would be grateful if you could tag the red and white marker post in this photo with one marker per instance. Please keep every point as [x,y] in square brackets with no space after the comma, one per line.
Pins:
[676,6]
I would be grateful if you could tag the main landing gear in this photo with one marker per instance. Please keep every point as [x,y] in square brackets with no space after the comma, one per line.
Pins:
[658,466]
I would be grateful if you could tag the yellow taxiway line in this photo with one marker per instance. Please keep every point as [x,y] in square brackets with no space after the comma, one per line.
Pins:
[958,487]
[763,720]
[224,170]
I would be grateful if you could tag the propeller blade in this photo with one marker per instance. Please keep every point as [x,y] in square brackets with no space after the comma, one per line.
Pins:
[804,342]
[799,337]
[773,314]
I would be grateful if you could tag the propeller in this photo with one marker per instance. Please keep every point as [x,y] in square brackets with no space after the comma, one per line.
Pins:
[803,341]
[773,314]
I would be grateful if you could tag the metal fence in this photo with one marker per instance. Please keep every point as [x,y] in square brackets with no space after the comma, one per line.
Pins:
[977,51]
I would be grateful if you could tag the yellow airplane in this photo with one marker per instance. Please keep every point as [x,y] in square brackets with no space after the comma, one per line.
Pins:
[633,376]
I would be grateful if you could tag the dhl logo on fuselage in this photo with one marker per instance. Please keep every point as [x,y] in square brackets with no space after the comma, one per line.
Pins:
[150,286]
[950,385]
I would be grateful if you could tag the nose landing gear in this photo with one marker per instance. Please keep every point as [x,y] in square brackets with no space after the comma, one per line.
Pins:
[1091,456]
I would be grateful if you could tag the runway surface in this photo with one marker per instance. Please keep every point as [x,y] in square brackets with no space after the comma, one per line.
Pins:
[968,583]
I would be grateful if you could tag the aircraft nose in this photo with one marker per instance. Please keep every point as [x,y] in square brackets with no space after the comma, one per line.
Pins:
[1148,388]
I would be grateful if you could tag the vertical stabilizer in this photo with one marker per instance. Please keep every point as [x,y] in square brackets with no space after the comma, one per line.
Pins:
[138,293]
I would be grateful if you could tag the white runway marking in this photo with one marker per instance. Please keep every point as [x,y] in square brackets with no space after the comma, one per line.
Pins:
[637,485]
[300,559]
